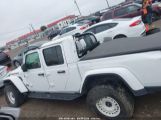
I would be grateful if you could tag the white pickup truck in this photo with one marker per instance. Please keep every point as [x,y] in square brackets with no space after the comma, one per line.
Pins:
[110,74]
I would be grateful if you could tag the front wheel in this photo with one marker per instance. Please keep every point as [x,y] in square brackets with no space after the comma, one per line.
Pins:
[13,97]
[110,103]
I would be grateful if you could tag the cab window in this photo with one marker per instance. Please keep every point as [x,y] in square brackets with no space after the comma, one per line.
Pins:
[53,56]
[32,61]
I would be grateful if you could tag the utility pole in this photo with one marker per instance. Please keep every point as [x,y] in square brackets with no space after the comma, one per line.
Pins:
[107,4]
[77,7]
[32,28]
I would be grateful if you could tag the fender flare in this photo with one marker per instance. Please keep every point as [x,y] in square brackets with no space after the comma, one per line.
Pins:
[17,82]
[127,77]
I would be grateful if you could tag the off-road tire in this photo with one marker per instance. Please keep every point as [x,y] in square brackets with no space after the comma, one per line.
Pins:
[119,94]
[19,97]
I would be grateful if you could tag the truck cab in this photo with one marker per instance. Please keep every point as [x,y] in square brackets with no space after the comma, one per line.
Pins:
[53,67]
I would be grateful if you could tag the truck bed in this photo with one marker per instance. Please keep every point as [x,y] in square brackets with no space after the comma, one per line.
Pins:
[125,46]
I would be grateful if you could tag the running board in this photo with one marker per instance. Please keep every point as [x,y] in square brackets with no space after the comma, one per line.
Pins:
[54,96]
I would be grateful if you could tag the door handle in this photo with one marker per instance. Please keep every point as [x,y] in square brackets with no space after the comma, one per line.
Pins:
[41,74]
[61,71]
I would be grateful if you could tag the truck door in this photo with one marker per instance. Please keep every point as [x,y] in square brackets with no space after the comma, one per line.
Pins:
[35,77]
[56,68]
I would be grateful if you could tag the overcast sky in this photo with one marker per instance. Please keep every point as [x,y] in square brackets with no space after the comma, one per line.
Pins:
[16,15]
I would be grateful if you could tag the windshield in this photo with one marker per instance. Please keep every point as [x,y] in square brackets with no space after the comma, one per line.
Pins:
[85,43]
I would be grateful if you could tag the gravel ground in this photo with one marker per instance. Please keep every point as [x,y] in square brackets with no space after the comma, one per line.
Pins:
[146,107]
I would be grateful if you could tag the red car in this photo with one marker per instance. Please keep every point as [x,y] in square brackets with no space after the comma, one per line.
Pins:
[129,10]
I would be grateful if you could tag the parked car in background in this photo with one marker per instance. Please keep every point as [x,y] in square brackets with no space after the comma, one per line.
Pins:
[71,30]
[3,73]
[83,22]
[8,113]
[94,19]
[17,61]
[130,10]
[53,34]
[5,59]
[91,20]
[118,28]
[153,1]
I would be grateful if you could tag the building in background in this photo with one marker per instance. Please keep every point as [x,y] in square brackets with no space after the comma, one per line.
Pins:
[64,22]
[38,34]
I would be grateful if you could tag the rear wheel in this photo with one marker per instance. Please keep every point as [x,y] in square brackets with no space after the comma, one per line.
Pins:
[110,103]
[13,97]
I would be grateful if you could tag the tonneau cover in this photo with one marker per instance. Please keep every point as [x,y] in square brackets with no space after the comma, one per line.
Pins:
[126,46]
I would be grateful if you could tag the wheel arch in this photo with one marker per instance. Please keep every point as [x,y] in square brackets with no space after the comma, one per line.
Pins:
[114,78]
[119,35]
[17,82]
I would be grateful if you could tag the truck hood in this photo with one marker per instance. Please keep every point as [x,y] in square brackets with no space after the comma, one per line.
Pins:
[125,46]
[17,71]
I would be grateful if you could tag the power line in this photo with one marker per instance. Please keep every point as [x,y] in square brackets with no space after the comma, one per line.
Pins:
[32,28]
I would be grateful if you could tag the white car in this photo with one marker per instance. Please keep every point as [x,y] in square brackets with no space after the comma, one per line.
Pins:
[71,30]
[3,73]
[118,28]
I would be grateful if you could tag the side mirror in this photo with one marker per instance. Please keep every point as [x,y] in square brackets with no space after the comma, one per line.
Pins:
[24,68]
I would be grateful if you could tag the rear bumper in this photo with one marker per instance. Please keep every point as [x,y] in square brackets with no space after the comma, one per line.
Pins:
[137,31]
[143,33]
